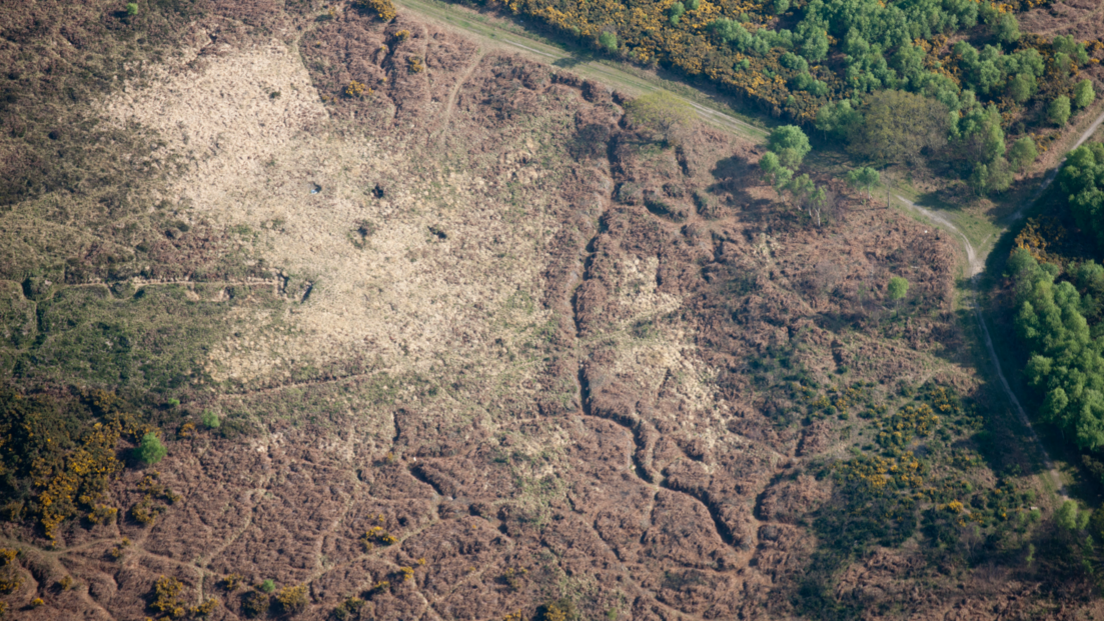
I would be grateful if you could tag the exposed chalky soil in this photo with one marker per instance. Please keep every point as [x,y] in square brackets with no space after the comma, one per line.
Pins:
[506,354]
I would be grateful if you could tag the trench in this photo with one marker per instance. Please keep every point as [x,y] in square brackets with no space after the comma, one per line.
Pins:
[635,427]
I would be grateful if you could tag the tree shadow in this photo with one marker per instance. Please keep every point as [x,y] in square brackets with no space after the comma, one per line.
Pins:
[732,177]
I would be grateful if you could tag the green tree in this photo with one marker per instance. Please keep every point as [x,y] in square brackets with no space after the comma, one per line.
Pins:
[1007,28]
[608,40]
[131,9]
[1022,87]
[1059,110]
[692,5]
[1082,181]
[211,420]
[150,450]
[774,172]
[897,289]
[838,118]
[1070,517]
[863,179]
[790,144]
[898,126]
[1083,94]
[662,113]
[676,11]
[1023,153]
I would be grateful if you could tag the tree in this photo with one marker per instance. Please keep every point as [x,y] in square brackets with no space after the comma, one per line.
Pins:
[211,420]
[897,289]
[676,11]
[150,450]
[838,118]
[863,179]
[1070,518]
[1023,153]
[1082,181]
[818,200]
[692,5]
[131,9]
[898,126]
[775,173]
[790,144]
[662,113]
[802,188]
[1007,28]
[1022,87]
[1083,94]
[608,40]
[1059,110]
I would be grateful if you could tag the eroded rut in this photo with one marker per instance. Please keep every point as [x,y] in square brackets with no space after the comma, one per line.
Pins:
[641,458]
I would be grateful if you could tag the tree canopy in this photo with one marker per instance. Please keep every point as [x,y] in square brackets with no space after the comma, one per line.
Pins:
[1066,364]
[897,126]
[790,144]
[1082,181]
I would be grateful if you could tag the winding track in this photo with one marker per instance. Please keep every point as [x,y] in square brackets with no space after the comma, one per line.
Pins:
[490,33]
[975,266]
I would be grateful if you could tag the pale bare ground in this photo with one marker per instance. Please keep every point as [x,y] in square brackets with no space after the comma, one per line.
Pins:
[414,302]
[407,296]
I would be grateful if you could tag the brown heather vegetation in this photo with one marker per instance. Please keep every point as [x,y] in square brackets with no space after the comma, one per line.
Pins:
[478,345]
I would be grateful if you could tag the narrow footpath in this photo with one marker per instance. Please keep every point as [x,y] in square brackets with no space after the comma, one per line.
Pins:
[975,266]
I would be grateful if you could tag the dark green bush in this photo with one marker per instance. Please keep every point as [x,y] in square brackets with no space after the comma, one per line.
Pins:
[150,450]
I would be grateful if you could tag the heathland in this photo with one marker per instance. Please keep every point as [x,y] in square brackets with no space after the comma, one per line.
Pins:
[551,310]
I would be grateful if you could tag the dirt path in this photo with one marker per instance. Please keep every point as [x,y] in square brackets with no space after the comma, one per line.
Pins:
[490,32]
[975,265]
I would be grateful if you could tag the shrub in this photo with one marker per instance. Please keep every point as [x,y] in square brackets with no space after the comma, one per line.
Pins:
[355,89]
[150,450]
[167,596]
[416,65]
[292,599]
[211,420]
[383,8]
[1059,110]
[254,604]
[103,514]
[350,606]
[232,582]
[897,289]
[206,608]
